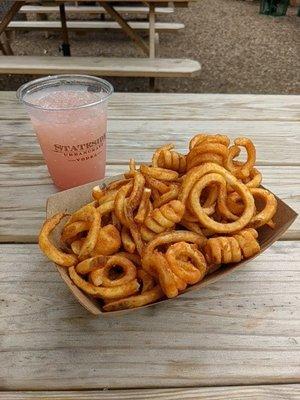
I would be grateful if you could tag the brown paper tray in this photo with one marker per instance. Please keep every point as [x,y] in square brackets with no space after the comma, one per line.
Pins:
[72,199]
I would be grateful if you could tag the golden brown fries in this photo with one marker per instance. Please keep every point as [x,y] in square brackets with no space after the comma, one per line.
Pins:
[165,226]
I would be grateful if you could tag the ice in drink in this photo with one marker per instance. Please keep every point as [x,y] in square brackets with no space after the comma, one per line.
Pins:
[70,121]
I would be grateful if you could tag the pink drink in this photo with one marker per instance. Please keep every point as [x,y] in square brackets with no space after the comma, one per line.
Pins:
[70,121]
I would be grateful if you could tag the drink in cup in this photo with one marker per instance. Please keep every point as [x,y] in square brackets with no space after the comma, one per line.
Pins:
[69,116]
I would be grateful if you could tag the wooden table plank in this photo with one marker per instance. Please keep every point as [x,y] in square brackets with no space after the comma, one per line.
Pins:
[183,106]
[24,191]
[277,143]
[244,329]
[263,392]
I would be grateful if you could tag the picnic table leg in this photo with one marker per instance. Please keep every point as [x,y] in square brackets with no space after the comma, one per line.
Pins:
[65,46]
[6,43]
[152,39]
[125,26]
[7,17]
[2,48]
[151,30]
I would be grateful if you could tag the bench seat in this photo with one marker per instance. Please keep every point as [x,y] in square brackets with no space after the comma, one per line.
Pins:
[101,66]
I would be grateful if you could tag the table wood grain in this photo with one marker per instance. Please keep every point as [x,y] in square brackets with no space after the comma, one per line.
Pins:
[242,330]
[262,392]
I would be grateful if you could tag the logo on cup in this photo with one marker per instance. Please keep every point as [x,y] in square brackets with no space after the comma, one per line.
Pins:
[81,152]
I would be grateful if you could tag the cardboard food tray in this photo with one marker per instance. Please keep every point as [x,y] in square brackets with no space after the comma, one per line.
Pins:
[72,199]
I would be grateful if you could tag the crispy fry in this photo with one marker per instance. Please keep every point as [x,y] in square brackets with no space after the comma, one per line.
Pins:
[127,246]
[161,174]
[76,246]
[148,282]
[137,191]
[178,255]
[111,293]
[139,300]
[205,137]
[97,193]
[53,253]
[165,198]
[165,158]
[129,271]
[127,241]
[71,230]
[156,265]
[91,239]
[198,178]
[162,219]
[120,204]
[144,207]
[153,183]
[135,258]
[88,265]
[241,170]
[108,241]
[268,212]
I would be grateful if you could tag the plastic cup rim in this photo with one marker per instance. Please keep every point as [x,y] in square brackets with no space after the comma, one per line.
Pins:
[20,94]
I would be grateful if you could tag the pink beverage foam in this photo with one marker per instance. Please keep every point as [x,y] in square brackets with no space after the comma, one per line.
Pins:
[73,141]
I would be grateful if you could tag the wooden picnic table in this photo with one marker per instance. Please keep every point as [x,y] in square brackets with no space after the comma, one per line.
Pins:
[149,50]
[238,338]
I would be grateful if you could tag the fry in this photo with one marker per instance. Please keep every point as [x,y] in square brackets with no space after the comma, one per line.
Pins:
[88,265]
[148,282]
[268,212]
[137,191]
[161,219]
[191,272]
[140,300]
[111,293]
[120,203]
[159,173]
[76,246]
[71,230]
[129,246]
[97,193]
[129,271]
[47,247]
[143,209]
[91,239]
[108,241]
[198,178]
[127,241]
[156,184]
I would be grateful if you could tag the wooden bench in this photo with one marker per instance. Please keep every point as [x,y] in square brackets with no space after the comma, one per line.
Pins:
[94,10]
[102,66]
[92,25]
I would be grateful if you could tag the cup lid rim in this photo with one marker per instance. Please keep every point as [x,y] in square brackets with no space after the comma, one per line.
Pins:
[48,79]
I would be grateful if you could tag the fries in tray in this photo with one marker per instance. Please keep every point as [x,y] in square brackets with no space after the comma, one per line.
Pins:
[164,226]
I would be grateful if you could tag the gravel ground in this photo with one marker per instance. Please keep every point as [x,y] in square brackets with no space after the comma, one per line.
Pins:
[240,50]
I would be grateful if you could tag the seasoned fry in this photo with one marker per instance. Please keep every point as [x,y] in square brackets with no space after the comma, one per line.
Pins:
[88,265]
[162,219]
[127,241]
[71,230]
[165,226]
[91,239]
[47,247]
[144,207]
[161,174]
[128,273]
[76,246]
[178,255]
[111,293]
[108,241]
[140,300]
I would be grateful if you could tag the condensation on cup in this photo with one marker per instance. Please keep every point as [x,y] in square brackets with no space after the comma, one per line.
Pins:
[69,116]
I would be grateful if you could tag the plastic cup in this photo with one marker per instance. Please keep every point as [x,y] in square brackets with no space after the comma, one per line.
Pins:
[69,116]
